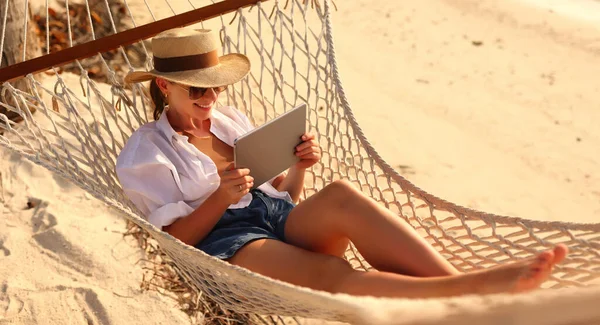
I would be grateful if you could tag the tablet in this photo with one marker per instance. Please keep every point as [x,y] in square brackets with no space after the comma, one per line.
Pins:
[270,149]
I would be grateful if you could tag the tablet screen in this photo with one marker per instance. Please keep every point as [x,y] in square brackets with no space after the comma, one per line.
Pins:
[269,149]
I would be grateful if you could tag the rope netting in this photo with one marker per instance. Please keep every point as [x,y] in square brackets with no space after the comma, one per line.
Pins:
[78,131]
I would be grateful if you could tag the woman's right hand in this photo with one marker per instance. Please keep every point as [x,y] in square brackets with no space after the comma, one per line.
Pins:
[235,183]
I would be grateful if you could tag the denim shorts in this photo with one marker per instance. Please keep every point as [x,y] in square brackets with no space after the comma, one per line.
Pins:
[264,217]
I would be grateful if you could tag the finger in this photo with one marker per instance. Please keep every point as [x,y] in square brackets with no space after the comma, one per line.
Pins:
[242,187]
[307,151]
[307,136]
[246,179]
[311,157]
[306,144]
[237,193]
[241,181]
[238,173]
[250,184]
[235,173]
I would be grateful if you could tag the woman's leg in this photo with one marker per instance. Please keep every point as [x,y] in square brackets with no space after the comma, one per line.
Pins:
[325,221]
[318,271]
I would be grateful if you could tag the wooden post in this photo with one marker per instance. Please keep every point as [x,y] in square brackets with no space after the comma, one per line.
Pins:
[14,41]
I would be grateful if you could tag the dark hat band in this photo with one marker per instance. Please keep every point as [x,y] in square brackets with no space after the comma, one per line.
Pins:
[185,63]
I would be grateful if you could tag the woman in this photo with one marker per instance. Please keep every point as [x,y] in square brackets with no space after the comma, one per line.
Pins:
[178,170]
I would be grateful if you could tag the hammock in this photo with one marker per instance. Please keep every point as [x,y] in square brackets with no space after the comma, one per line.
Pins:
[77,132]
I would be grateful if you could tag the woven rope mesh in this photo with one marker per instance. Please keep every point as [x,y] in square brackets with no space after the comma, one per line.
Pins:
[78,133]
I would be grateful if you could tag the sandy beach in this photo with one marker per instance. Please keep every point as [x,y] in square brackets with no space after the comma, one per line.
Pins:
[508,126]
[490,104]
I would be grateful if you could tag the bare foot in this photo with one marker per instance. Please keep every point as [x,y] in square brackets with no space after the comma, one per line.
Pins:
[523,275]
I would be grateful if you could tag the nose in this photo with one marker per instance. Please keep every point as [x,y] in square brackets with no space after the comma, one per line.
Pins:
[211,94]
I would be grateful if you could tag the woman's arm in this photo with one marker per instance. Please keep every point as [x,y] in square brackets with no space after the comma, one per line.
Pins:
[309,153]
[277,181]
[192,228]
[293,183]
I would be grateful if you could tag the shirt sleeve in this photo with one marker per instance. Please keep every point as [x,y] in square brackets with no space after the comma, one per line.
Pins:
[153,189]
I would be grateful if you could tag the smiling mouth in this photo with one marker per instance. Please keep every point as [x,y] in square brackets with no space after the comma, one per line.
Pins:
[203,106]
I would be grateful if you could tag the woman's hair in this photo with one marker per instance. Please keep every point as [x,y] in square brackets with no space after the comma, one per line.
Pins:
[158,99]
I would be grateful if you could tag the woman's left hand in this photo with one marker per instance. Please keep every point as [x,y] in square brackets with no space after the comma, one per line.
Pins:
[308,151]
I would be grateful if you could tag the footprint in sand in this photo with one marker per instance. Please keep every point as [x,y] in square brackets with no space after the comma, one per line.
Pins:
[56,246]
[3,248]
[41,220]
[52,241]
[81,304]
[10,305]
[94,311]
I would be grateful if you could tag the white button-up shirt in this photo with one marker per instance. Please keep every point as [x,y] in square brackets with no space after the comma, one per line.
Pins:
[167,178]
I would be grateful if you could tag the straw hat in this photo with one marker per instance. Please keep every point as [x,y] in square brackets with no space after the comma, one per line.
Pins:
[189,56]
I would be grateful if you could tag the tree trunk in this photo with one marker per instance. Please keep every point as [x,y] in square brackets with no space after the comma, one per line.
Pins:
[12,51]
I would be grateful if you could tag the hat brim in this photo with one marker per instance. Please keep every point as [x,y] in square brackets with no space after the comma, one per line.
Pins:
[231,69]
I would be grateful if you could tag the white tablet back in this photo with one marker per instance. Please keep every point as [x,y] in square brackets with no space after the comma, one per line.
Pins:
[269,149]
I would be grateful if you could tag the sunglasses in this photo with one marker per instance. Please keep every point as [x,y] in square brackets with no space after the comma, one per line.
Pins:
[197,92]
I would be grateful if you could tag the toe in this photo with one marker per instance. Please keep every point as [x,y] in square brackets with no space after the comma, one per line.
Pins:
[543,259]
[560,252]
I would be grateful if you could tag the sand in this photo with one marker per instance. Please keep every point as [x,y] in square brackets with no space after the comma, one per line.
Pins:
[490,104]
[64,259]
[508,126]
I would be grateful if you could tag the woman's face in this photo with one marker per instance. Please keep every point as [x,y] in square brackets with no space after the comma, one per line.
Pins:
[196,104]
